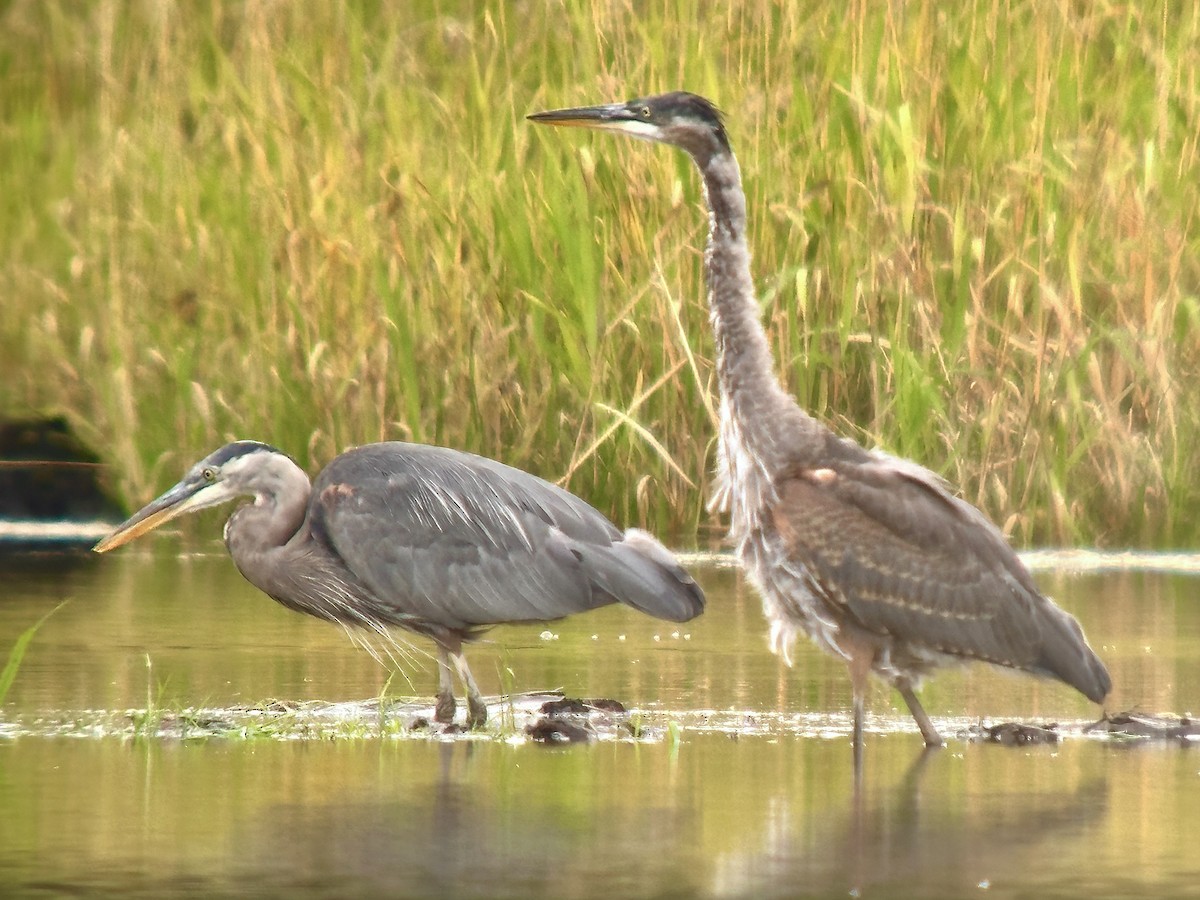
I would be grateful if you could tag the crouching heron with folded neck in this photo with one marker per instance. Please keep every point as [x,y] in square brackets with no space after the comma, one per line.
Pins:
[430,540]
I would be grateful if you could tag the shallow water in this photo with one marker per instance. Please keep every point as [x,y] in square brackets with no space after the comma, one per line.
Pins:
[740,783]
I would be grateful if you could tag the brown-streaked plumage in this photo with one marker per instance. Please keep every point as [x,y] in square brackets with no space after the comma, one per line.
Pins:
[869,555]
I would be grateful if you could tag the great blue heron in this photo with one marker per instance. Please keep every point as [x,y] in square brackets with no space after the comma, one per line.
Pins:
[435,541]
[869,555]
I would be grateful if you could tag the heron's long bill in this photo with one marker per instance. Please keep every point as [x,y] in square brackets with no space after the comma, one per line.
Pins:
[620,117]
[186,496]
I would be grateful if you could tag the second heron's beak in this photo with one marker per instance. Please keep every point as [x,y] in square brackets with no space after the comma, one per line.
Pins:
[627,118]
[191,494]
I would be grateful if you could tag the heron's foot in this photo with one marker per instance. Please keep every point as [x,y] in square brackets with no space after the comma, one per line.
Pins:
[444,710]
[477,713]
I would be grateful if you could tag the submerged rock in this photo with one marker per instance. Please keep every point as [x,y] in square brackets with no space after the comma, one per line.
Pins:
[1014,734]
[1145,725]
[570,720]
[571,706]
[560,731]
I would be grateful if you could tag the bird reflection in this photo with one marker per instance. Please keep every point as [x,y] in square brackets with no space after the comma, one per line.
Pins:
[925,835]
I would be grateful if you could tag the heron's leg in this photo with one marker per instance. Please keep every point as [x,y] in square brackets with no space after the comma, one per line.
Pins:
[476,709]
[858,737]
[444,710]
[860,668]
[932,738]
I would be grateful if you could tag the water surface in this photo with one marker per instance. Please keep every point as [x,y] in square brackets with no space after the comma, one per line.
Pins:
[740,784]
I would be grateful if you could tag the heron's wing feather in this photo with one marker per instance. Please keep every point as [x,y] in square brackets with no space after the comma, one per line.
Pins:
[901,556]
[458,540]
[640,572]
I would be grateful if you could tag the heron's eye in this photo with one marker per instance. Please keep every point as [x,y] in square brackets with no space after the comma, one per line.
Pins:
[209,473]
[645,112]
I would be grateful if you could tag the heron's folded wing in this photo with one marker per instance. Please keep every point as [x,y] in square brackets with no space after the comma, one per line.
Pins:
[454,539]
[898,554]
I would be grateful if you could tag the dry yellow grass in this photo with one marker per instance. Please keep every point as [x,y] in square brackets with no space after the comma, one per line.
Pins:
[322,225]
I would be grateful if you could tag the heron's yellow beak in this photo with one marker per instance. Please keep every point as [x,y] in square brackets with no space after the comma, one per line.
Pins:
[187,496]
[623,117]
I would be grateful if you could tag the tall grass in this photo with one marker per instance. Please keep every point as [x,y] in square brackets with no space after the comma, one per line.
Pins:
[321,225]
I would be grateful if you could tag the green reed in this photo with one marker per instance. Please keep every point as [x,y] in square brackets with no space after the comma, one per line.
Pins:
[321,225]
[16,654]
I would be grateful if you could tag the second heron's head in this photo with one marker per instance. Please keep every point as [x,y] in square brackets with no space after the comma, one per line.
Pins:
[243,468]
[684,120]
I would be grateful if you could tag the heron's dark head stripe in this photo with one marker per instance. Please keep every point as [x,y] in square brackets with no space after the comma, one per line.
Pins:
[681,105]
[238,449]
[685,105]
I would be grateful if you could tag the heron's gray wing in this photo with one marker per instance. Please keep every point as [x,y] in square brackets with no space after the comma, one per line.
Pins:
[892,548]
[640,572]
[457,540]
[632,568]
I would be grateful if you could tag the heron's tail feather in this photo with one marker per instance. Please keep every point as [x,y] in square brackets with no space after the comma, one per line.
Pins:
[1065,654]
[640,572]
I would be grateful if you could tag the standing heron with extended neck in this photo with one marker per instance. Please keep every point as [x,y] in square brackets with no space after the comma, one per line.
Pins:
[435,541]
[869,555]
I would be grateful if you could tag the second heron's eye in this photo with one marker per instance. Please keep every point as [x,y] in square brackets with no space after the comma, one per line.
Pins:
[209,473]
[645,112]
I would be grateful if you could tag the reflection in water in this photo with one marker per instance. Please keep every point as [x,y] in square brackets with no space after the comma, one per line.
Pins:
[757,816]
[453,839]
[904,838]
[756,799]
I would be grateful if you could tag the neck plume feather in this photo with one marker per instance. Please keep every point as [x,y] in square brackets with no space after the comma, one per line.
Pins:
[763,415]
[258,532]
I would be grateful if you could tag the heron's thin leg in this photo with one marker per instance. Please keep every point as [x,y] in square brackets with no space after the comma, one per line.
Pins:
[860,669]
[444,710]
[477,713]
[858,733]
[932,738]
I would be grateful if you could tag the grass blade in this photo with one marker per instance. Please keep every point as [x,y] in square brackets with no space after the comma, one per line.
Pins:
[9,674]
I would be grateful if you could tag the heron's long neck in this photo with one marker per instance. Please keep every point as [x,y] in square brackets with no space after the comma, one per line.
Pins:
[761,411]
[257,532]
